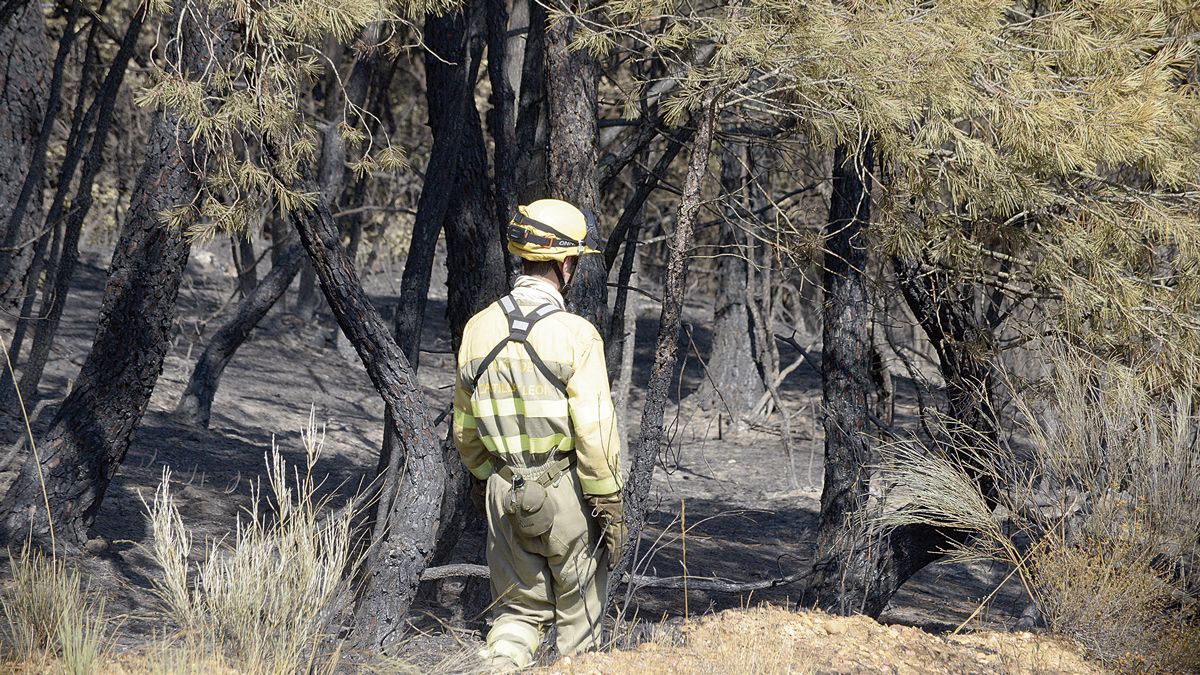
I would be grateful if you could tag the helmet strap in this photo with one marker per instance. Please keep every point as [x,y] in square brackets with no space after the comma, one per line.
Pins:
[558,272]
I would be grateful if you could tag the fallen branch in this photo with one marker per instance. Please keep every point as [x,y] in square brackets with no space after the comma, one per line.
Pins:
[637,580]
[760,408]
[461,570]
[712,584]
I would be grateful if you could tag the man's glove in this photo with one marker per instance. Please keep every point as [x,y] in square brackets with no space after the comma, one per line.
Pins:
[479,495]
[609,511]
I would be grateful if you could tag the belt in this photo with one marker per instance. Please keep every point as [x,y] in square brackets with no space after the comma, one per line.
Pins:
[558,464]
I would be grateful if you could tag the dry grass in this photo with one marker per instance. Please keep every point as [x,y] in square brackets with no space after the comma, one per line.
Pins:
[53,623]
[1105,488]
[262,600]
[1108,597]
[265,599]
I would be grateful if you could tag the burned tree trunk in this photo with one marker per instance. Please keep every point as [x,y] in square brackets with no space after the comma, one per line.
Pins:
[242,251]
[619,342]
[43,258]
[860,567]
[946,313]
[89,435]
[195,406]
[450,66]
[24,82]
[455,197]
[736,383]
[409,505]
[650,441]
[571,74]
[476,276]
[846,578]
[502,120]
[532,135]
[55,298]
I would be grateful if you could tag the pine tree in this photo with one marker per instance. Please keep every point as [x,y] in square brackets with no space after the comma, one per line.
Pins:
[1041,153]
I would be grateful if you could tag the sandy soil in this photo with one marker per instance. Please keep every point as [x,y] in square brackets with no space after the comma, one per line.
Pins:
[751,511]
[773,640]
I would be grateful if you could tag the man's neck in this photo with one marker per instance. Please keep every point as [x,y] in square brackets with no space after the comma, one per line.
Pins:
[548,279]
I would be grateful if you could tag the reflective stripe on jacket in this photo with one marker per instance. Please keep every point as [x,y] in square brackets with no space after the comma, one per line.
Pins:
[517,414]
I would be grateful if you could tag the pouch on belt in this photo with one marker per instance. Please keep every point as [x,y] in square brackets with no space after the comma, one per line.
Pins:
[527,505]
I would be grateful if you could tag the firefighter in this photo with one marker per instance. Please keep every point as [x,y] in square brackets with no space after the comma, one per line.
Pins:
[534,423]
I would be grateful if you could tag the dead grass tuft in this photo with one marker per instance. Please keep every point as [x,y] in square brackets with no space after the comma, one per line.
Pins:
[52,622]
[265,599]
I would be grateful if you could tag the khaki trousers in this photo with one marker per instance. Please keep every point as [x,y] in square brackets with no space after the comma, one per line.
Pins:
[559,577]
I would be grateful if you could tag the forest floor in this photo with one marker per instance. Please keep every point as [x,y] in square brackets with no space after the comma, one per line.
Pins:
[751,511]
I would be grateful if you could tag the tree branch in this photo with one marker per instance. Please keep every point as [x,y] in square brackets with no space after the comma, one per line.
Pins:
[637,580]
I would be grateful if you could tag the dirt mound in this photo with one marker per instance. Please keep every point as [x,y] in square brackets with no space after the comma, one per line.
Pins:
[773,640]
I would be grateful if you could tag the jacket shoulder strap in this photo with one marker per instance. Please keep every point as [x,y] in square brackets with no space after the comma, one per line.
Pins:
[519,325]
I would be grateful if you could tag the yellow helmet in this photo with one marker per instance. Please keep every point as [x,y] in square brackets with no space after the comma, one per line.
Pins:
[548,229]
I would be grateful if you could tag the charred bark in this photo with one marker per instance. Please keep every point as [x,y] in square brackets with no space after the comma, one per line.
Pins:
[947,314]
[735,383]
[89,435]
[307,297]
[76,147]
[859,567]
[410,500]
[572,75]
[9,10]
[450,67]
[195,406]
[8,393]
[475,265]
[477,275]
[25,116]
[652,437]
[242,250]
[455,197]
[846,570]
[616,341]
[281,233]
[502,119]
[532,134]
[102,110]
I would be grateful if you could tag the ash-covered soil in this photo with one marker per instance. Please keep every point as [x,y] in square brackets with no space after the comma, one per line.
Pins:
[751,500]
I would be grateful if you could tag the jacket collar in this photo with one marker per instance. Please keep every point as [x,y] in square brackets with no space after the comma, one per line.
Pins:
[537,291]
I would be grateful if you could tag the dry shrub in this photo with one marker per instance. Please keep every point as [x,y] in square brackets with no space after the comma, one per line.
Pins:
[1108,597]
[1098,507]
[49,614]
[266,598]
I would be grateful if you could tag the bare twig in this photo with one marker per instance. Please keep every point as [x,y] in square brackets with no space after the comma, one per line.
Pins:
[713,584]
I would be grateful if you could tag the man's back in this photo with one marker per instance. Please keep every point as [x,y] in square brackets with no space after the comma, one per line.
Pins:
[534,422]
[522,411]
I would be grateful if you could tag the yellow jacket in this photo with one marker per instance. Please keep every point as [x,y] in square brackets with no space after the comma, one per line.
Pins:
[516,413]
